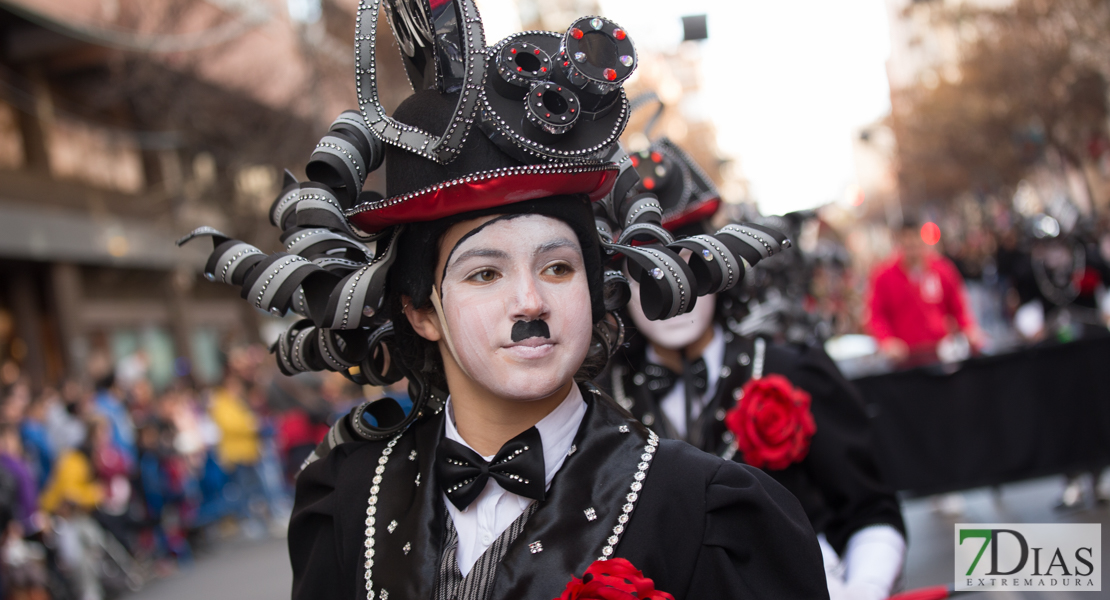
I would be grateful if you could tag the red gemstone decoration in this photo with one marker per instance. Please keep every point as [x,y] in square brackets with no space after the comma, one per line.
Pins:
[609,74]
[576,33]
[566,63]
[537,51]
[543,69]
[656,157]
[619,34]
[649,183]
[513,50]
[635,161]
[549,114]
[519,69]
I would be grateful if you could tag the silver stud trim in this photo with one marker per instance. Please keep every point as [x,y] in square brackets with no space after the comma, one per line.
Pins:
[626,510]
[371,518]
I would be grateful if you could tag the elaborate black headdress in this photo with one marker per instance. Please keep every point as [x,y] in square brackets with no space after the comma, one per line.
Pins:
[549,109]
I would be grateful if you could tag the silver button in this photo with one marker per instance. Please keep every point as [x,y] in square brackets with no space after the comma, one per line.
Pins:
[744,359]
[649,419]
[720,414]
[725,372]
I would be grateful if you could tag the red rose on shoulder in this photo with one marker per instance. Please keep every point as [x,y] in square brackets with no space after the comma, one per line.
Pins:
[614,579]
[772,423]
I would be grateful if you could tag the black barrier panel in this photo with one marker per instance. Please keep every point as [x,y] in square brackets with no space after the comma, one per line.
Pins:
[993,420]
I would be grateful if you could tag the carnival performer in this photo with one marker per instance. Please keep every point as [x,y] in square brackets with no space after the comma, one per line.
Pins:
[784,408]
[481,278]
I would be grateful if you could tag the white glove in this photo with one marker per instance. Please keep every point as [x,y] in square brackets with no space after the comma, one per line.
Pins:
[872,561]
[834,570]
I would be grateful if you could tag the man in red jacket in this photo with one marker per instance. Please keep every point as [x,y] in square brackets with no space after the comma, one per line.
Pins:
[917,298]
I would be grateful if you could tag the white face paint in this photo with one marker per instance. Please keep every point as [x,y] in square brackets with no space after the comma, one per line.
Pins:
[678,331]
[519,269]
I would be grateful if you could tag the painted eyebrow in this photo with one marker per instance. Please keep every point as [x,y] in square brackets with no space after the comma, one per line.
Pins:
[502,255]
[479,253]
[554,245]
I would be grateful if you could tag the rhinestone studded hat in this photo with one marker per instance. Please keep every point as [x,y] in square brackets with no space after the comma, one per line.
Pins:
[533,117]
[685,192]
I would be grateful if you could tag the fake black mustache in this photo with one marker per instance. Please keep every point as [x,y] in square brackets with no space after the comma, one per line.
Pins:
[523,330]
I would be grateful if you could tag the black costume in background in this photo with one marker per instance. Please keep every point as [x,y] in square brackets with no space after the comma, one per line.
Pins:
[838,482]
[701,528]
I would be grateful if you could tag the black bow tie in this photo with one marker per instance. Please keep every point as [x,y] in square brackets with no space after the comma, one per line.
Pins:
[659,379]
[518,468]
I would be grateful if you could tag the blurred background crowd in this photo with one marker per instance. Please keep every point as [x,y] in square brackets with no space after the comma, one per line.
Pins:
[141,415]
[107,482]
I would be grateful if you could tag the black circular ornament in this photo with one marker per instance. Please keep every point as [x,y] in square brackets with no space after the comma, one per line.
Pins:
[521,128]
[520,65]
[552,108]
[597,54]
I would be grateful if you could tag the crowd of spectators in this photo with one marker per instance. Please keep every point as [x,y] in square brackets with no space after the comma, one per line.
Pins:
[999,281]
[106,482]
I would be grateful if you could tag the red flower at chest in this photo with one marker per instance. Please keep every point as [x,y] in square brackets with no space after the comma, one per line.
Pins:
[614,579]
[772,423]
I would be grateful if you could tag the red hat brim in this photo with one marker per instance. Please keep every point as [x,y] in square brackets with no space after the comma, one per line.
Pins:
[694,213]
[484,190]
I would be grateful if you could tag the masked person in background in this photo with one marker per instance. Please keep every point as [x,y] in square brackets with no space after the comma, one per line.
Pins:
[784,408]
[480,277]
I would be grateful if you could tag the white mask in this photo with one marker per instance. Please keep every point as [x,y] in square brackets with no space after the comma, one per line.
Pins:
[678,331]
[521,268]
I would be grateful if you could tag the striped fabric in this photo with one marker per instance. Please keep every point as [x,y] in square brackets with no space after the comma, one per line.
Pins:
[478,584]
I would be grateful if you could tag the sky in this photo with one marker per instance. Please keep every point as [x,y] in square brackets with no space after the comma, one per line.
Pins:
[787,83]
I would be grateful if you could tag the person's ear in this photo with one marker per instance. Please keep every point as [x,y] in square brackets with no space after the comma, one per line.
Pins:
[423,320]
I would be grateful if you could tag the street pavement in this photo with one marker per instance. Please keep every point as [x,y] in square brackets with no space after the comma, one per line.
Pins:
[237,570]
[260,570]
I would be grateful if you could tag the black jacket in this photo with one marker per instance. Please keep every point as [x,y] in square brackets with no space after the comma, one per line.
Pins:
[838,482]
[700,527]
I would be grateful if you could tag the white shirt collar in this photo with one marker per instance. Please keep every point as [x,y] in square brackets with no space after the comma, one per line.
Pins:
[557,430]
[495,508]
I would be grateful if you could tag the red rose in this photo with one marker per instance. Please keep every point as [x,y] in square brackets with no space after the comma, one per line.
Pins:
[772,423]
[614,579]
